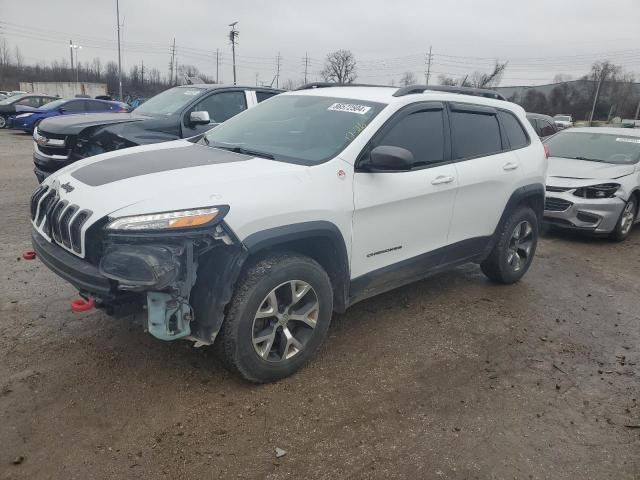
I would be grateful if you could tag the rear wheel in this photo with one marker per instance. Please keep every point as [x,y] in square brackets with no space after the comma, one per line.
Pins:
[277,319]
[626,220]
[3,121]
[513,253]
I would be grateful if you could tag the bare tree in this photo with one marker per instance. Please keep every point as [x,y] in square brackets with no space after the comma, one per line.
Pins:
[19,57]
[5,54]
[408,78]
[97,67]
[486,80]
[445,80]
[339,67]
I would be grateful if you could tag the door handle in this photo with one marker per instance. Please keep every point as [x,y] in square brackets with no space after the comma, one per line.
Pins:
[510,166]
[442,179]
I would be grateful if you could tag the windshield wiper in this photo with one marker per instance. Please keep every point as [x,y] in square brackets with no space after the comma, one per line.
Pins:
[589,159]
[246,151]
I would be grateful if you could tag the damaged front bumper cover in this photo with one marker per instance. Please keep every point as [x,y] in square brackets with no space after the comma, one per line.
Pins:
[159,274]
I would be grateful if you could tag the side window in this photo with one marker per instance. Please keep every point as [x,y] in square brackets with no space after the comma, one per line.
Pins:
[546,128]
[45,100]
[422,133]
[30,102]
[518,138]
[475,134]
[262,96]
[222,106]
[92,106]
[74,107]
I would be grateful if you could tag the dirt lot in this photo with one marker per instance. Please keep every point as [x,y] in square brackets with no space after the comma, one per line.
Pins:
[453,377]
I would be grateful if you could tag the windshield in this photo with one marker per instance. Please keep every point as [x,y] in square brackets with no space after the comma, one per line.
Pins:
[562,118]
[53,105]
[597,147]
[13,99]
[170,101]
[301,129]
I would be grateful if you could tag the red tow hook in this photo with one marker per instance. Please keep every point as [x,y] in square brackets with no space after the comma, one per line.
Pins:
[29,255]
[82,305]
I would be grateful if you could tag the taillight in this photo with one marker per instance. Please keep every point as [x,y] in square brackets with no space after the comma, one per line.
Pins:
[547,152]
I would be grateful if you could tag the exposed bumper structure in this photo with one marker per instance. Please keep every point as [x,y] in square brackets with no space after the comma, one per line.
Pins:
[565,210]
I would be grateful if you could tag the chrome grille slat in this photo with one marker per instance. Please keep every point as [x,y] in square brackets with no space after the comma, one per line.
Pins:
[57,219]
[65,220]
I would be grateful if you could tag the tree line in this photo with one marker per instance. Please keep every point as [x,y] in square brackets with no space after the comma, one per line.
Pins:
[617,93]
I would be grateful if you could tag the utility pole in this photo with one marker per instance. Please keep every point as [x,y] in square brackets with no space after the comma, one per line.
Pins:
[427,74]
[278,70]
[176,68]
[217,64]
[306,66]
[603,74]
[142,74]
[233,34]
[256,79]
[71,51]
[637,111]
[119,54]
[173,56]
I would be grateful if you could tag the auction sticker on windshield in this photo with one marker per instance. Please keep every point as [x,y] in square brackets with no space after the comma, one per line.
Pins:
[350,108]
[628,140]
[191,92]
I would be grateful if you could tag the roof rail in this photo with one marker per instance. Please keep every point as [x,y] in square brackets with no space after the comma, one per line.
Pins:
[309,86]
[478,92]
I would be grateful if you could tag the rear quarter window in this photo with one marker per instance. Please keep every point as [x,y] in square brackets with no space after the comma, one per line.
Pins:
[514,130]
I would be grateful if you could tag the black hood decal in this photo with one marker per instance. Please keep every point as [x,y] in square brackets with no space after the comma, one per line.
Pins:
[153,161]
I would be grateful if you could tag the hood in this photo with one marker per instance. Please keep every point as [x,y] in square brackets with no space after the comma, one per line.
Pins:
[26,109]
[173,176]
[74,124]
[567,171]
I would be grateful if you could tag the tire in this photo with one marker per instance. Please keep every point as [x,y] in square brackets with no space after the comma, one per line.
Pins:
[625,221]
[3,121]
[513,253]
[252,341]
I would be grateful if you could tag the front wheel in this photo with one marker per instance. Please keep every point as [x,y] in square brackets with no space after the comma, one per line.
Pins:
[277,319]
[513,253]
[626,220]
[3,121]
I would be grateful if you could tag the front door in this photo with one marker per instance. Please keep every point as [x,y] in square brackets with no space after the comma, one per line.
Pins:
[401,219]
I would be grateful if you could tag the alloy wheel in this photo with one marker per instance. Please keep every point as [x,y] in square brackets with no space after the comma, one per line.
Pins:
[3,122]
[285,321]
[520,246]
[628,217]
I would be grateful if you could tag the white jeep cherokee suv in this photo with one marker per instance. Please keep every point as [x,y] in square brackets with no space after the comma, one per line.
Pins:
[254,233]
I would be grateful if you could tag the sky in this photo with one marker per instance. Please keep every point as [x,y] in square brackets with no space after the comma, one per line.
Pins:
[538,38]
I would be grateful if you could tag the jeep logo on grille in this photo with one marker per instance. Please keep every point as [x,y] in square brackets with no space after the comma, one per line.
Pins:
[67,187]
[41,140]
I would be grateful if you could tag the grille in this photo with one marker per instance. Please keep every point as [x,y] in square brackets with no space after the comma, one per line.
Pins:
[54,151]
[557,189]
[552,204]
[61,221]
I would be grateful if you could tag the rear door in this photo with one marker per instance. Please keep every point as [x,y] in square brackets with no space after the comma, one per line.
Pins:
[488,173]
[73,107]
[402,218]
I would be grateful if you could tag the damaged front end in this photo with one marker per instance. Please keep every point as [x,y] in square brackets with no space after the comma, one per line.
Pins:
[182,275]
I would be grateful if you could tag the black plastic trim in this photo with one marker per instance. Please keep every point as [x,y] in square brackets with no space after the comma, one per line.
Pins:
[416,268]
[81,274]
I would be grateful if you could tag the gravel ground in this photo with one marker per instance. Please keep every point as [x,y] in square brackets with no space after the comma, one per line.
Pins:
[452,377]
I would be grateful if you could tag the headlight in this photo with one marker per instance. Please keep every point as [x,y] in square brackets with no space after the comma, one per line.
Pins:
[197,217]
[604,190]
[23,115]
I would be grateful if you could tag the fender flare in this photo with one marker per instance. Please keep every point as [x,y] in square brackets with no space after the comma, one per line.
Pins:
[282,235]
[526,192]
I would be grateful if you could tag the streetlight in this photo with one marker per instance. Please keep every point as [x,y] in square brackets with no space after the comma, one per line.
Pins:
[76,48]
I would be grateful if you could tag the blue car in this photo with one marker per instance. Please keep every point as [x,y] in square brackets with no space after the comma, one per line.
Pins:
[29,118]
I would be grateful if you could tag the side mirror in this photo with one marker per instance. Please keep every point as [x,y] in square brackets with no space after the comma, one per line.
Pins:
[199,118]
[386,157]
[62,109]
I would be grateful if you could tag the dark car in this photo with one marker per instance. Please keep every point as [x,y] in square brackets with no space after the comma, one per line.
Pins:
[30,118]
[179,112]
[15,103]
[544,125]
